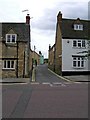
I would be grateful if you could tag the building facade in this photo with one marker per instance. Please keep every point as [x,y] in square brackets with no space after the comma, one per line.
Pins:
[35,58]
[15,56]
[71,46]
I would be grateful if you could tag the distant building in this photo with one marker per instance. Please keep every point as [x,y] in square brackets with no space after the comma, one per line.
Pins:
[35,58]
[46,60]
[41,58]
[66,56]
[15,48]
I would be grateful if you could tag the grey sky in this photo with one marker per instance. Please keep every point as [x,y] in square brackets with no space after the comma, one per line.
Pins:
[44,13]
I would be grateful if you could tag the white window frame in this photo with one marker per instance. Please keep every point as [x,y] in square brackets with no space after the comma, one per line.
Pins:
[11,38]
[5,64]
[78,27]
[79,42]
[78,61]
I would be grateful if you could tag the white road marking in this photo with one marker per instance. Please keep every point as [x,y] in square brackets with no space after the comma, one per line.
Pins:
[34,83]
[46,83]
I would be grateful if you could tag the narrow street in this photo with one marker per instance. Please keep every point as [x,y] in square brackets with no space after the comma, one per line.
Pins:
[52,97]
[43,74]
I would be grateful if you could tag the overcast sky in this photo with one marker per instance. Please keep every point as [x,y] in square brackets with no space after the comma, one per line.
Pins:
[44,13]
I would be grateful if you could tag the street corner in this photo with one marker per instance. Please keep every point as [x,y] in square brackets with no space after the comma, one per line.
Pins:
[78,78]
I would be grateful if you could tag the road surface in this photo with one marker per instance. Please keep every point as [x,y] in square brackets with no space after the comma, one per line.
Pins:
[48,97]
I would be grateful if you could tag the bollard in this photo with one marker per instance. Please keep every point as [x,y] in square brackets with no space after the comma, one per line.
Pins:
[33,75]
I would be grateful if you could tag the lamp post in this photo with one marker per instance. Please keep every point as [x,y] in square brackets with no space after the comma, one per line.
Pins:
[34,54]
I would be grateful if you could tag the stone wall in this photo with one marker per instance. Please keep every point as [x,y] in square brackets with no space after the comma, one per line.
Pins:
[58,52]
[12,52]
[51,61]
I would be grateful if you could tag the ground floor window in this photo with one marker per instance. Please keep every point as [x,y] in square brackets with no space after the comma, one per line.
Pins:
[78,62]
[9,64]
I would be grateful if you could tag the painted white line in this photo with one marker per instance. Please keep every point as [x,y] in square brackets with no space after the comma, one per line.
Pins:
[63,85]
[51,85]
[34,83]
[46,83]
[57,83]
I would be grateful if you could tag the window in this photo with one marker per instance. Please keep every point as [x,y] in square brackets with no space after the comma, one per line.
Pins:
[74,62]
[74,43]
[11,38]
[78,62]
[9,64]
[78,27]
[79,43]
[83,43]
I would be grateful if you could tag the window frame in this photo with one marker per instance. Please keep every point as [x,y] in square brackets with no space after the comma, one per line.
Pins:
[79,44]
[78,27]
[79,61]
[8,64]
[11,38]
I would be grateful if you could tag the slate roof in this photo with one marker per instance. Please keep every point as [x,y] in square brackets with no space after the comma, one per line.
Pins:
[69,32]
[21,29]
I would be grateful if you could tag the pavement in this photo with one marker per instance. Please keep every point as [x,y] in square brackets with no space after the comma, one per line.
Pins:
[74,78]
[15,80]
[78,78]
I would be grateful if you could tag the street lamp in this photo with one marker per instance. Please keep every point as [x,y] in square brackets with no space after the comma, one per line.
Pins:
[34,54]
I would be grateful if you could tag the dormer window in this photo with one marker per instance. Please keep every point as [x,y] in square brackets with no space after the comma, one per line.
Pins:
[78,27]
[11,38]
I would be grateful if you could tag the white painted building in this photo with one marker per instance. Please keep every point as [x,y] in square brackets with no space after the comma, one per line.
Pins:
[73,58]
[71,44]
[75,37]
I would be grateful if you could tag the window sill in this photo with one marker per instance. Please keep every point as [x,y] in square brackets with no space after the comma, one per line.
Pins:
[79,47]
[78,67]
[8,69]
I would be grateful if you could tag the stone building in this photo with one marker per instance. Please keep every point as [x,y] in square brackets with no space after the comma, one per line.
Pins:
[51,57]
[16,52]
[35,58]
[68,55]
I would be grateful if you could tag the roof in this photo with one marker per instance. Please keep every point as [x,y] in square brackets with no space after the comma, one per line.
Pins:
[21,29]
[69,32]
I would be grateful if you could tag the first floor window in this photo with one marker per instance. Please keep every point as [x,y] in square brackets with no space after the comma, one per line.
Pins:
[79,43]
[78,62]
[74,43]
[8,64]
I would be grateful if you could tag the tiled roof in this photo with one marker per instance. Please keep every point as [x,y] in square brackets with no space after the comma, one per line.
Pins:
[69,32]
[21,29]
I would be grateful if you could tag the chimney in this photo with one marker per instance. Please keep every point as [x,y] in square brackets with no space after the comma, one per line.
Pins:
[27,19]
[49,46]
[59,17]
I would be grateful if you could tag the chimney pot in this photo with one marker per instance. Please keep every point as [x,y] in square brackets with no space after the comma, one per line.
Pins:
[49,46]
[27,19]
[59,17]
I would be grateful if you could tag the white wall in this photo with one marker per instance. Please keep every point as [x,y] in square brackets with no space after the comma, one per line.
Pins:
[67,52]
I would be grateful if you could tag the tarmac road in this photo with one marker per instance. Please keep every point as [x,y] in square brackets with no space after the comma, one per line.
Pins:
[57,99]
